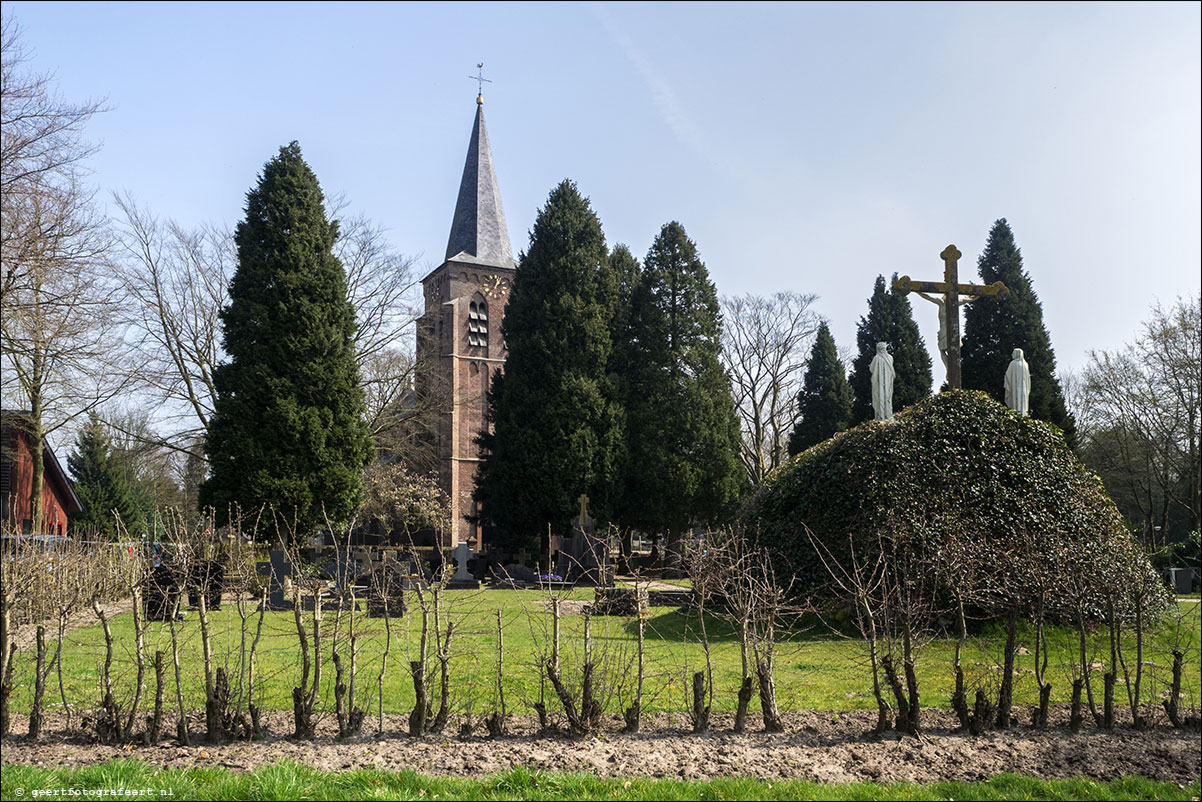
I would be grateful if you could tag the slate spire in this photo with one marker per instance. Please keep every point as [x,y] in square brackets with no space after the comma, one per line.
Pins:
[478,230]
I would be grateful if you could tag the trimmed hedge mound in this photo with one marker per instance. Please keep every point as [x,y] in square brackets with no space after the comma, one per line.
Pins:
[997,502]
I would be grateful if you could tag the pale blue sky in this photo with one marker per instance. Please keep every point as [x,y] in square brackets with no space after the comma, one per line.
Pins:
[803,146]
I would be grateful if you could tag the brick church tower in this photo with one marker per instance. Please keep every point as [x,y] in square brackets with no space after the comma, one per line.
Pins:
[459,345]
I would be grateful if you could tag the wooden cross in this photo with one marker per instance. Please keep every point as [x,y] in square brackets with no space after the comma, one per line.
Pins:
[951,292]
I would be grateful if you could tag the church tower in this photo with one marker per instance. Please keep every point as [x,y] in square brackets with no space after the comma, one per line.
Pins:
[459,345]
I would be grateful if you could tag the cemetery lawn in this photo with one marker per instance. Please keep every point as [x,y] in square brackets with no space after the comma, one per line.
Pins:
[817,669]
[294,781]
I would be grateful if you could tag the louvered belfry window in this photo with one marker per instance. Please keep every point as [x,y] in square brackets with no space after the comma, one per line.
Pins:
[477,324]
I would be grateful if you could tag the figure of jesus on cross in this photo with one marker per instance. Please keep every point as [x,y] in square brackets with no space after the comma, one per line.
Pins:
[949,306]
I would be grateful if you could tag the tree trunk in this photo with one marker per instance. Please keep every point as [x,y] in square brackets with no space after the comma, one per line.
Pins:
[746,691]
[764,674]
[181,725]
[1006,694]
[496,723]
[140,660]
[39,686]
[959,699]
[37,446]
[154,723]
[1076,717]
[634,713]
[911,683]
[1087,671]
[1172,705]
[58,662]
[444,681]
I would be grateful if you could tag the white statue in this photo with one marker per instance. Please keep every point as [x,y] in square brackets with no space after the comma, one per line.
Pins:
[882,382]
[1018,383]
[941,302]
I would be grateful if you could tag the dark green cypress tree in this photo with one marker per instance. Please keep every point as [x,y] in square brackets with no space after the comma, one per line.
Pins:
[558,429]
[825,401]
[993,329]
[287,428]
[101,485]
[683,434]
[890,320]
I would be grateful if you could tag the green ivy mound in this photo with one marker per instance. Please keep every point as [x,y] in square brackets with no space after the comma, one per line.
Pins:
[997,505]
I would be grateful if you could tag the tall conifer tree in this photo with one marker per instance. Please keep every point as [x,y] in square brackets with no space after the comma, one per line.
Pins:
[557,424]
[993,329]
[890,320]
[628,275]
[825,401]
[683,432]
[101,485]
[287,428]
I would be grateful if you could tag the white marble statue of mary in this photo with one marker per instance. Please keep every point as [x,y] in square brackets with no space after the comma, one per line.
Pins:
[1018,383]
[881,370]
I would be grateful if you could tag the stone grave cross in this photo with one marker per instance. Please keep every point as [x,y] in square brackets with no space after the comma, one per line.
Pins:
[462,554]
[951,292]
[584,522]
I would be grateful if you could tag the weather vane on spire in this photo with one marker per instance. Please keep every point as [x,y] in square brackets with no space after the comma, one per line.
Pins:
[480,80]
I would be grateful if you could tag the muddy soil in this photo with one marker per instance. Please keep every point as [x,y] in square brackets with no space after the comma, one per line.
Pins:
[829,747]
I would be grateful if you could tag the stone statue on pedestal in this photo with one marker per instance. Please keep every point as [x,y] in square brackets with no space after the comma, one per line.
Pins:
[882,382]
[1018,383]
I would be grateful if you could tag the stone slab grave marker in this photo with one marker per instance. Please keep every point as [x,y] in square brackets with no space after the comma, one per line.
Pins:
[949,316]
[462,578]
[277,570]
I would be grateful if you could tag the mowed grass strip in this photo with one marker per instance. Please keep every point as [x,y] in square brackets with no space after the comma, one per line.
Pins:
[294,781]
[817,668]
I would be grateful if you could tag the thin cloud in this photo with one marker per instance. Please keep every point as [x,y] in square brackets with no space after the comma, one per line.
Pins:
[671,109]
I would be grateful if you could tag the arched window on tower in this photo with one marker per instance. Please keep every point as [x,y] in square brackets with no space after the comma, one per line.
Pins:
[477,322]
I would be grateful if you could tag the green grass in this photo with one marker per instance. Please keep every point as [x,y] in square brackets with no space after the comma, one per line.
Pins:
[816,669]
[293,781]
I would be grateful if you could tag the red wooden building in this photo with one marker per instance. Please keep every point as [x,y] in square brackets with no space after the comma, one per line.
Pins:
[16,477]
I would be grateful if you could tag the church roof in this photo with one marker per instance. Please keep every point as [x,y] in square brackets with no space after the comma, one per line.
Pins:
[478,230]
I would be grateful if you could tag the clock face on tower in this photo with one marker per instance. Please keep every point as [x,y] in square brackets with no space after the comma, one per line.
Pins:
[495,287]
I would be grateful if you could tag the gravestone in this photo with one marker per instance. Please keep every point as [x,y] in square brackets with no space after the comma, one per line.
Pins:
[161,594]
[342,572]
[516,572]
[276,571]
[207,577]
[583,556]
[462,578]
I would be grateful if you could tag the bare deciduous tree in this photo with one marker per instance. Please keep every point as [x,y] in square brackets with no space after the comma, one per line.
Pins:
[765,343]
[1142,416]
[57,324]
[175,283]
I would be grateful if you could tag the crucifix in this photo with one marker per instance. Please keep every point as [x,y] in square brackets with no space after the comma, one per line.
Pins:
[480,80]
[949,313]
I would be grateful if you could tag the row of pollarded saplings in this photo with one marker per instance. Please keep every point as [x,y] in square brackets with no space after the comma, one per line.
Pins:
[731,581]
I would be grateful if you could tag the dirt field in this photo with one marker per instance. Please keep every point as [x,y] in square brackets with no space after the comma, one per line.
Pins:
[819,746]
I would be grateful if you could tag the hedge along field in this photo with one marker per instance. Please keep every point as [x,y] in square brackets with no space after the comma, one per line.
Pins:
[819,668]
